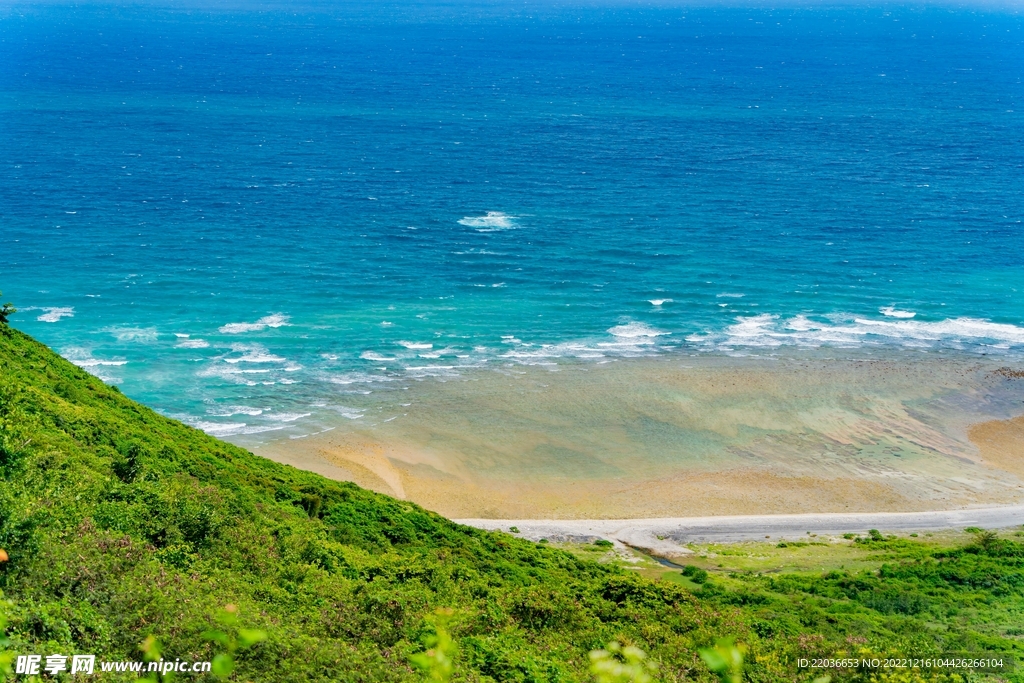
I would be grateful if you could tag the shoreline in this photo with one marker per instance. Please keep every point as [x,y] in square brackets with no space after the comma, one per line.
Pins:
[666,537]
[670,437]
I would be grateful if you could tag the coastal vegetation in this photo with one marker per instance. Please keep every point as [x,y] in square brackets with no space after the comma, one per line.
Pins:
[131,536]
[6,310]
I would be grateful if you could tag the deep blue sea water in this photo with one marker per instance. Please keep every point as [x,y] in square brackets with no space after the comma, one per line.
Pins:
[239,215]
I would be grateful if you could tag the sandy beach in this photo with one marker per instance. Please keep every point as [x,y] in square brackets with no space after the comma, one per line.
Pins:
[686,437]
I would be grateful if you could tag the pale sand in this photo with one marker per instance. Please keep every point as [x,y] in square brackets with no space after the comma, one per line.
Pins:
[1001,443]
[655,438]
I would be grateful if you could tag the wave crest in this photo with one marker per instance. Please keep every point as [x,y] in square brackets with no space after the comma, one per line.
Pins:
[273,320]
[53,314]
[768,331]
[492,221]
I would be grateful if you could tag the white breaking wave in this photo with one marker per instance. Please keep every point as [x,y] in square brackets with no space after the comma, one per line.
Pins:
[96,362]
[446,351]
[232,428]
[493,221]
[253,353]
[192,344]
[358,378]
[53,314]
[83,358]
[635,330]
[229,411]
[528,354]
[371,355]
[238,370]
[416,345]
[767,331]
[893,313]
[275,320]
[659,302]
[287,417]
[629,340]
[222,371]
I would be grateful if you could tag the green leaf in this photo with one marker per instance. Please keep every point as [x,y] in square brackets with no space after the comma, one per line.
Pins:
[217,637]
[223,665]
[248,637]
[725,659]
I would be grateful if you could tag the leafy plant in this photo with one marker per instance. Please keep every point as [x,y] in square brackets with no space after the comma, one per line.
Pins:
[438,660]
[986,541]
[725,659]
[6,655]
[231,638]
[6,310]
[695,574]
[618,664]
[152,651]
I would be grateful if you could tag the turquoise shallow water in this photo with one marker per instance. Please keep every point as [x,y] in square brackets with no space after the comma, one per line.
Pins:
[251,219]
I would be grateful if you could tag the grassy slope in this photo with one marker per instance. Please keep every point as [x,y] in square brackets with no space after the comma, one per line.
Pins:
[121,523]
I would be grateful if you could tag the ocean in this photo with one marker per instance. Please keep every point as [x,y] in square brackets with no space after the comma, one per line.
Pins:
[270,221]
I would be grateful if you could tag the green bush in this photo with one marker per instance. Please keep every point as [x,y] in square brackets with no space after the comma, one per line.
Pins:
[695,574]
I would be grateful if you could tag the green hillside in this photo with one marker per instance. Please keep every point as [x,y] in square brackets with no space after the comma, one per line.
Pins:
[121,524]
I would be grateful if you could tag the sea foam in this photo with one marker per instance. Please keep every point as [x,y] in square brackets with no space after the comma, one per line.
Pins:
[287,417]
[253,353]
[635,330]
[892,312]
[229,411]
[98,367]
[95,362]
[357,378]
[374,356]
[767,331]
[221,429]
[52,315]
[628,340]
[492,221]
[416,345]
[274,320]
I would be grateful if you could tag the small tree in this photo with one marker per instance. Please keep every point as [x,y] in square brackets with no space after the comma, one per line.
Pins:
[6,310]
[986,541]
